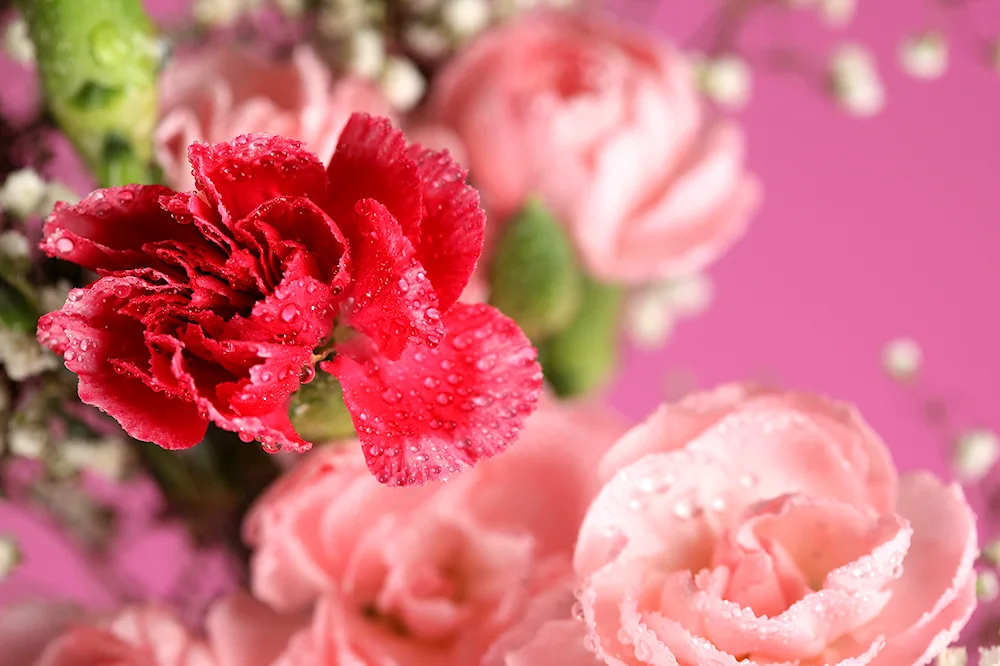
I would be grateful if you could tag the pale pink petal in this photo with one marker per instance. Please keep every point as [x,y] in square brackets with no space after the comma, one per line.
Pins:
[244,632]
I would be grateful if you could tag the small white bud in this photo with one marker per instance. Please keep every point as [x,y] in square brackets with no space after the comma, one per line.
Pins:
[17,43]
[14,245]
[989,656]
[22,193]
[10,555]
[426,41]
[727,81]
[838,13]
[26,442]
[991,553]
[987,585]
[855,81]
[690,295]
[976,452]
[648,320]
[925,56]
[365,53]
[402,83]
[953,656]
[465,18]
[901,358]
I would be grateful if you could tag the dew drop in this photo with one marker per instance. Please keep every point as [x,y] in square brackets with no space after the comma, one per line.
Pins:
[307,374]
[290,312]
[265,376]
[431,382]
[70,355]
[64,245]
[245,436]
[444,398]
[748,480]
[683,510]
[391,396]
[432,314]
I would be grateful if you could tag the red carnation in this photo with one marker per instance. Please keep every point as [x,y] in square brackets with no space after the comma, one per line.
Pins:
[215,305]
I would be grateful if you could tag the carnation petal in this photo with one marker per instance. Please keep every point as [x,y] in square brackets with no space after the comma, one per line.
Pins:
[371,162]
[109,228]
[240,175]
[453,226]
[91,335]
[439,410]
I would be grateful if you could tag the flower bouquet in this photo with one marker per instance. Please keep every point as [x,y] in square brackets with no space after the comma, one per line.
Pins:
[338,286]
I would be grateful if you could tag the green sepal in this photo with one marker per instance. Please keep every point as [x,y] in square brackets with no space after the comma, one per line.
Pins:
[534,275]
[582,358]
[318,411]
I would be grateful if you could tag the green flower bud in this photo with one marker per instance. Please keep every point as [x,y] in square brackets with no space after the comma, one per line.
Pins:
[582,357]
[98,62]
[534,275]
[318,411]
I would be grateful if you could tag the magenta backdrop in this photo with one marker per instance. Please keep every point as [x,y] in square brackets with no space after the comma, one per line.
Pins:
[871,229]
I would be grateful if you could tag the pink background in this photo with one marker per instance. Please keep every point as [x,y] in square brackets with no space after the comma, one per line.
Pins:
[871,229]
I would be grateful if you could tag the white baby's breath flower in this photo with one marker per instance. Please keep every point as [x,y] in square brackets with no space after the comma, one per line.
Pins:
[953,656]
[727,81]
[365,53]
[987,585]
[425,40]
[107,457]
[14,245]
[53,297]
[22,193]
[26,441]
[989,656]
[976,452]
[855,81]
[689,295]
[10,555]
[54,193]
[17,43]
[925,56]
[23,357]
[901,358]
[220,13]
[465,18]
[402,83]
[838,12]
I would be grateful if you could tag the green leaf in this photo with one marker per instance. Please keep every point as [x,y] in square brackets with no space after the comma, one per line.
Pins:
[318,411]
[534,276]
[582,357]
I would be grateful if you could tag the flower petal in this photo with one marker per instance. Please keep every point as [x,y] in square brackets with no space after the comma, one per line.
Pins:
[97,341]
[240,175]
[108,229]
[437,411]
[244,632]
[391,300]
[371,162]
[453,226]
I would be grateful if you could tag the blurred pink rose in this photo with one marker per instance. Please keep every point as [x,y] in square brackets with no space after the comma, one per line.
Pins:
[220,92]
[143,636]
[751,526]
[606,126]
[428,575]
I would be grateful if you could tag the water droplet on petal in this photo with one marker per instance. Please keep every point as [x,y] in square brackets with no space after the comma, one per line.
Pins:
[391,396]
[64,245]
[307,374]
[444,398]
[290,312]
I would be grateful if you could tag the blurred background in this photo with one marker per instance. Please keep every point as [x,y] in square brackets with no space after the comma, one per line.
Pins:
[875,252]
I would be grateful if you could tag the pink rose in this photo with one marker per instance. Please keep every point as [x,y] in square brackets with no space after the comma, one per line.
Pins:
[428,575]
[144,636]
[757,527]
[606,126]
[218,93]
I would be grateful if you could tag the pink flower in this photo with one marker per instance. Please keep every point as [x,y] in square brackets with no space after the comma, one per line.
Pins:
[429,575]
[605,125]
[216,305]
[756,527]
[218,92]
[143,636]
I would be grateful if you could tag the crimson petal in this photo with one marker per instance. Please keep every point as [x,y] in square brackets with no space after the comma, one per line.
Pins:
[391,300]
[108,229]
[97,343]
[371,162]
[453,224]
[242,174]
[437,411]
